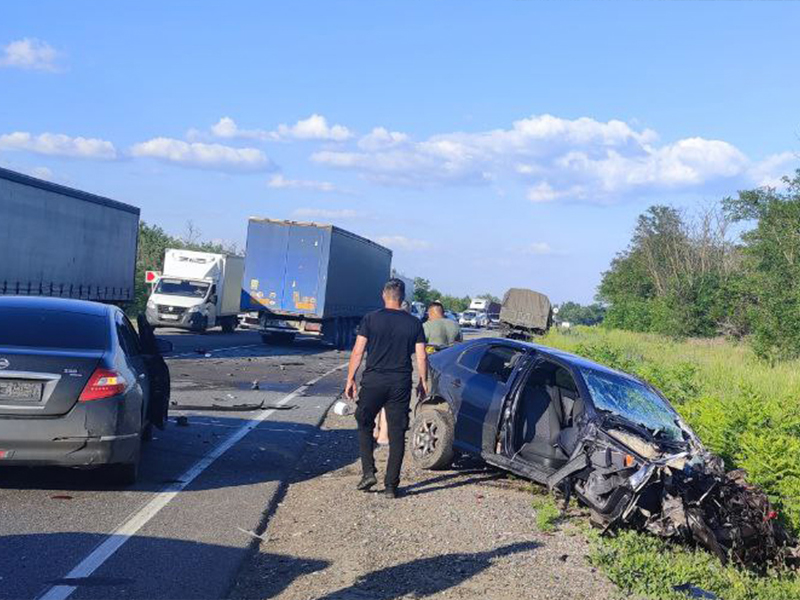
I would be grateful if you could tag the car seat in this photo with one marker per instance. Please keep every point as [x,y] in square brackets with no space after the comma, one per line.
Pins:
[540,426]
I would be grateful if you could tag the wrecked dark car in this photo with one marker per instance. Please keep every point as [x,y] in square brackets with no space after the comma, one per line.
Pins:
[606,437]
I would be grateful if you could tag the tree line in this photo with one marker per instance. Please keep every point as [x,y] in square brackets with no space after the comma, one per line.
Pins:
[733,270]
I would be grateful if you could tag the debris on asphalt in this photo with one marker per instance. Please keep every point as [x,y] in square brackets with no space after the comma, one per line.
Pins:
[182,421]
[344,408]
[254,385]
[253,534]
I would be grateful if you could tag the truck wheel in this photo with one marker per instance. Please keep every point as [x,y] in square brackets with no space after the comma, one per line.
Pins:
[278,339]
[432,434]
[229,324]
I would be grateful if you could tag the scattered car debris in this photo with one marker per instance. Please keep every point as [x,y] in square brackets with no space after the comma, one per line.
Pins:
[255,385]
[233,407]
[605,436]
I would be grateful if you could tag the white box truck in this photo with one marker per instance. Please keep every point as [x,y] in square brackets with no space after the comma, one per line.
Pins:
[197,291]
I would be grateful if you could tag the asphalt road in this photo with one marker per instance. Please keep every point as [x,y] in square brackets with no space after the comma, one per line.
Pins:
[205,489]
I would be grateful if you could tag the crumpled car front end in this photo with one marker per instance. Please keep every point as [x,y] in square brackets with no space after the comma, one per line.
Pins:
[682,494]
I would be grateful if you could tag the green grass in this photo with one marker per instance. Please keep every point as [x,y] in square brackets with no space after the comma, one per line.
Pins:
[547,513]
[745,410]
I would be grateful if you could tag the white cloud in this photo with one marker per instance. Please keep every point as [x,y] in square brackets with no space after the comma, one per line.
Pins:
[380,138]
[204,156]
[314,127]
[57,144]
[773,168]
[538,249]
[557,158]
[227,128]
[400,242]
[278,181]
[327,214]
[29,53]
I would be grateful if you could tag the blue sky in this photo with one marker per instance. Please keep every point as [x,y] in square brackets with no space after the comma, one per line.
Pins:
[489,145]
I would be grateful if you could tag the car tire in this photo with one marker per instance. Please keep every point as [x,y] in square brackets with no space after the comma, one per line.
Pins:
[432,434]
[122,474]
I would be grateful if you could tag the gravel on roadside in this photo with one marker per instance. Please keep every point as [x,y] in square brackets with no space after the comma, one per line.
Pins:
[465,533]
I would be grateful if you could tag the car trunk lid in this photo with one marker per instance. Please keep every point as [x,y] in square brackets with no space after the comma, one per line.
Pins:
[42,382]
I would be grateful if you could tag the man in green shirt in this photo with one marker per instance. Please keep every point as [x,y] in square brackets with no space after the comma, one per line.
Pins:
[439,330]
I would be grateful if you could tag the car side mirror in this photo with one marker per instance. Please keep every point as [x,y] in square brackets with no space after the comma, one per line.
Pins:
[163,346]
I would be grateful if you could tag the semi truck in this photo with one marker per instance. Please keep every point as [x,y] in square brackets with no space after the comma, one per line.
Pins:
[59,241]
[197,291]
[525,313]
[307,278]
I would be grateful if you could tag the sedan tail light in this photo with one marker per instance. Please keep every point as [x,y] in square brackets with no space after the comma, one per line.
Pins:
[104,383]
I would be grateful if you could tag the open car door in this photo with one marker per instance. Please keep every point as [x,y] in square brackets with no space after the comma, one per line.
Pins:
[158,407]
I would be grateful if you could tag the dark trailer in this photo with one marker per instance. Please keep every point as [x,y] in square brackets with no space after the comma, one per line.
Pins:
[59,241]
[308,278]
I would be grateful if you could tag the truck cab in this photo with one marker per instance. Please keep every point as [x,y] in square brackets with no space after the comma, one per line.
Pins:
[197,291]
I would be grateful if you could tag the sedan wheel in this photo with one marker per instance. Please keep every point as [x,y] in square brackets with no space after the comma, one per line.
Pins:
[432,439]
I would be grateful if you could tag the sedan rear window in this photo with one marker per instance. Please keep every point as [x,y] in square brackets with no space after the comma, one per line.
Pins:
[37,328]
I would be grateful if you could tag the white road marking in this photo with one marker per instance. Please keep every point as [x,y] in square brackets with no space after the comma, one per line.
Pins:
[196,353]
[139,519]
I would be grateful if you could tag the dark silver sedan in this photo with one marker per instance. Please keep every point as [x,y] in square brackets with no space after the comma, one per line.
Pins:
[79,386]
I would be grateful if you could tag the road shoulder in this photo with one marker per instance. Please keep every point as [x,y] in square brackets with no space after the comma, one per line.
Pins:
[465,533]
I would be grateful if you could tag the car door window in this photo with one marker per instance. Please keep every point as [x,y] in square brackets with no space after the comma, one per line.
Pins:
[128,338]
[498,362]
[470,358]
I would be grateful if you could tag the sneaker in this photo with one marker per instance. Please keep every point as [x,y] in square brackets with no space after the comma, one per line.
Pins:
[367,481]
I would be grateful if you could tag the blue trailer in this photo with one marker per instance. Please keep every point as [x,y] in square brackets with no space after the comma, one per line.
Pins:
[308,278]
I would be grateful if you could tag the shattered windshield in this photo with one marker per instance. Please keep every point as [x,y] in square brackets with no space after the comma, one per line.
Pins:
[178,287]
[633,401]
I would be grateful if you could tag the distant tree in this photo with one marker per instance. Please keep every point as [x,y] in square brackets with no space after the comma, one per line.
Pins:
[772,265]
[678,277]
[577,314]
[489,297]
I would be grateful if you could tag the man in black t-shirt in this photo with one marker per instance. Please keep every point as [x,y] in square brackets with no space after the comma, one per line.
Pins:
[390,336]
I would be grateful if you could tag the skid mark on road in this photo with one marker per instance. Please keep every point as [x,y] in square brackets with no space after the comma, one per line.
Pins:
[139,519]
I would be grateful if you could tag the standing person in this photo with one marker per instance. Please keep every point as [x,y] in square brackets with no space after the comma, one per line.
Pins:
[390,336]
[439,330]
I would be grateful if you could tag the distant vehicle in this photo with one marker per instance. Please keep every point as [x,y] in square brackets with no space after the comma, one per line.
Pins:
[79,386]
[451,315]
[418,309]
[478,304]
[59,241]
[471,318]
[197,291]
[525,313]
[313,279]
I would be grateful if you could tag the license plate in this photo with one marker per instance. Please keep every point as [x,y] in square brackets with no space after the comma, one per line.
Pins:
[170,317]
[20,390]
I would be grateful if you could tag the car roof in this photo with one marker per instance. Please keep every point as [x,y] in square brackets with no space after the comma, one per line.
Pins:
[572,359]
[60,304]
